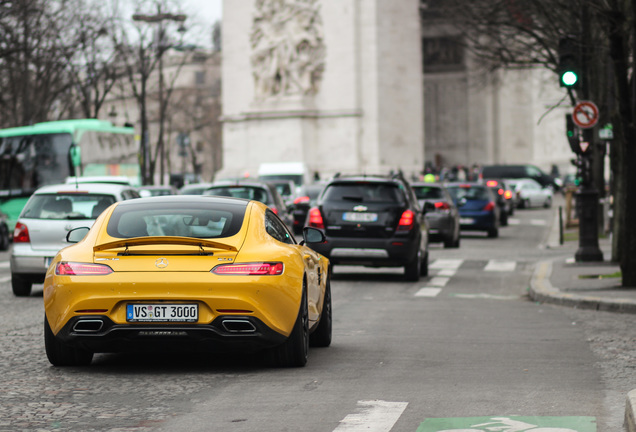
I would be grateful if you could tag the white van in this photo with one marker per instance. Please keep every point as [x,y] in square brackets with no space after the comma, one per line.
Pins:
[294,171]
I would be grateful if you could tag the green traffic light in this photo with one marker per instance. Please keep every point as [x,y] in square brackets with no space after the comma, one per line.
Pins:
[569,78]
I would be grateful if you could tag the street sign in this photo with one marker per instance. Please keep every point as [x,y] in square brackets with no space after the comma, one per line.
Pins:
[585,114]
[606,132]
[584,146]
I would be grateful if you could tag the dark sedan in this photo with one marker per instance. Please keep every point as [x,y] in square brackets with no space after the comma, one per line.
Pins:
[443,216]
[477,207]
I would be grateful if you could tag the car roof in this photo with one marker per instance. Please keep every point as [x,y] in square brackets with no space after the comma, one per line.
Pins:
[83,187]
[439,185]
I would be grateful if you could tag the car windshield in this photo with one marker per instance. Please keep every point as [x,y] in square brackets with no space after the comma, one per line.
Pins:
[67,206]
[364,192]
[471,193]
[247,192]
[428,192]
[200,220]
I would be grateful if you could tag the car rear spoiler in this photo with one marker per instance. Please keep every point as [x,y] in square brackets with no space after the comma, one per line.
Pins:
[164,240]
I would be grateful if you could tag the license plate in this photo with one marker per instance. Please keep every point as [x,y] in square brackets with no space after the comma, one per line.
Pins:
[136,312]
[359,217]
[466,221]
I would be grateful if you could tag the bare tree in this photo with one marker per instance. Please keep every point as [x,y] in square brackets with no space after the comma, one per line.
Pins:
[505,33]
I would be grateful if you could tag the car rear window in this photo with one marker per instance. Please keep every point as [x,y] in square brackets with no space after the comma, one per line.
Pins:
[470,192]
[199,220]
[428,192]
[364,192]
[247,192]
[66,206]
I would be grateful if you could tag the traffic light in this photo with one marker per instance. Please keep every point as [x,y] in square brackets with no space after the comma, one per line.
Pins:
[572,133]
[569,62]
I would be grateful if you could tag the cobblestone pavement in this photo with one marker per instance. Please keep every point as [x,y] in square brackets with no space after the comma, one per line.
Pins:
[116,393]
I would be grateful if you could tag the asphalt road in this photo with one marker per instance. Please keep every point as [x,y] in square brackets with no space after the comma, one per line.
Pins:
[465,342]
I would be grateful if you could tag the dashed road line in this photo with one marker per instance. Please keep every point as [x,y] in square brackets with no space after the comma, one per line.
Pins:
[446,264]
[428,292]
[500,266]
[372,416]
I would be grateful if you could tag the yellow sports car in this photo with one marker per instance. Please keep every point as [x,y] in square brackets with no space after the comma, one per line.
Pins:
[185,272]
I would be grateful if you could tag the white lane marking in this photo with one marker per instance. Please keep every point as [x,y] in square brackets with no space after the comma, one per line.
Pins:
[570,260]
[538,222]
[5,264]
[372,416]
[500,266]
[485,296]
[513,221]
[438,281]
[446,263]
[428,292]
[447,272]
[5,279]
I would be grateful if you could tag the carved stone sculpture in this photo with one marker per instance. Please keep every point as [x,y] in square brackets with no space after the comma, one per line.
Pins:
[288,50]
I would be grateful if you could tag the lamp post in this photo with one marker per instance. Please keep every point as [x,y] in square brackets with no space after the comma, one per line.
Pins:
[157,18]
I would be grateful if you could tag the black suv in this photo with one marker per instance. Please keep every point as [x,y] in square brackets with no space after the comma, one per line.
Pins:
[374,222]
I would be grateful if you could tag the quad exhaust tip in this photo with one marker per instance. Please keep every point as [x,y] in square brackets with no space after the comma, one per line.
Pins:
[238,326]
[88,326]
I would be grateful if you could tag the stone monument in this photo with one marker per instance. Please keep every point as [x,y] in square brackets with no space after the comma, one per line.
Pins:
[336,84]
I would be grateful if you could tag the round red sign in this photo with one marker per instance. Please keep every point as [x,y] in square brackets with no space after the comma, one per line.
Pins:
[585,114]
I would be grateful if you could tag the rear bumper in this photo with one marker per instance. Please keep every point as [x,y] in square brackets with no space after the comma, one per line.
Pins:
[478,221]
[389,252]
[440,227]
[97,333]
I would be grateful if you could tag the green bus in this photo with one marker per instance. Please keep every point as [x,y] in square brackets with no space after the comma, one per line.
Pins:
[50,152]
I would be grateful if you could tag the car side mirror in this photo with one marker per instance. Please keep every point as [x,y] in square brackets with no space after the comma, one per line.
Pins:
[313,235]
[428,207]
[77,234]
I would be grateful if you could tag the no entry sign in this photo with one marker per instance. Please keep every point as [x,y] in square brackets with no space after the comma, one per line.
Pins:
[585,114]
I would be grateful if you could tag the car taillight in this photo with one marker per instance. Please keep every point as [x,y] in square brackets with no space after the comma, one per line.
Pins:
[442,205]
[508,194]
[274,209]
[406,221]
[302,200]
[315,218]
[492,183]
[500,191]
[64,268]
[250,269]
[21,234]
[490,206]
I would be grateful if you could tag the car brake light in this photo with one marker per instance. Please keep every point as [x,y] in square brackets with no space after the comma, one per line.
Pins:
[21,234]
[315,218]
[406,221]
[275,210]
[490,206]
[508,194]
[442,205]
[251,269]
[492,183]
[500,191]
[301,200]
[64,268]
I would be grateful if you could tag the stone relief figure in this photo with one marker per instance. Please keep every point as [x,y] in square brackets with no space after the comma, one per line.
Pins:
[288,50]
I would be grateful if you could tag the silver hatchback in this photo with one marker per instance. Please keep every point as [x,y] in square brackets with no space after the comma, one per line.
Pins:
[47,217]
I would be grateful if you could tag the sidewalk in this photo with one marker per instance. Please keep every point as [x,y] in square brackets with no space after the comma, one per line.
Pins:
[589,285]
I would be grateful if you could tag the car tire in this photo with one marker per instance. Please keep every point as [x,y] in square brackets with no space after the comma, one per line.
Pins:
[4,237]
[21,286]
[412,269]
[321,337]
[493,232]
[504,218]
[424,266]
[449,242]
[60,354]
[526,203]
[293,352]
[547,203]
